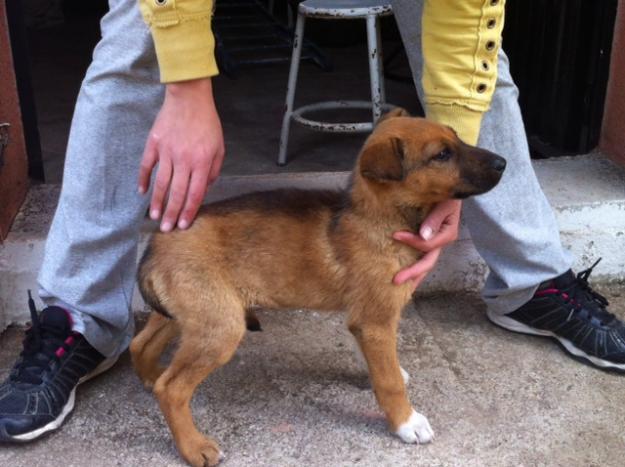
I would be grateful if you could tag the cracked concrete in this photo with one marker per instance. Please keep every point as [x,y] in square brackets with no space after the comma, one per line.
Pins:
[296,395]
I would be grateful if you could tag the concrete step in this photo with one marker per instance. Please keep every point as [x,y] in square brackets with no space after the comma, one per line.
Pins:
[587,193]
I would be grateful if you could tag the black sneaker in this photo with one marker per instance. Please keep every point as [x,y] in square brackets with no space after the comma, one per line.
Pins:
[39,392]
[567,309]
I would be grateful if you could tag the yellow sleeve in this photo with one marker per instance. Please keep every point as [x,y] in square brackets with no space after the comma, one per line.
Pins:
[461,40]
[185,45]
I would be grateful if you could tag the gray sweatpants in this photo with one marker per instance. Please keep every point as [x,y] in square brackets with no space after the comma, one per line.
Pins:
[90,260]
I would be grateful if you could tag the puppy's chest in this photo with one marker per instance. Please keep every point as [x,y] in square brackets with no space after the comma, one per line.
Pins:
[406,255]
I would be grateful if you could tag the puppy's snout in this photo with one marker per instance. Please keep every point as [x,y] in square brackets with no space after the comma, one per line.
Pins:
[498,163]
[481,171]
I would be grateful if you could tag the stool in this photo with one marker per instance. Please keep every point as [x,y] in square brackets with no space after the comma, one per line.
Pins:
[371,11]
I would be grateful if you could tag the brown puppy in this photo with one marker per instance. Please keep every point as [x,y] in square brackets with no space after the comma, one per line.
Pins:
[293,249]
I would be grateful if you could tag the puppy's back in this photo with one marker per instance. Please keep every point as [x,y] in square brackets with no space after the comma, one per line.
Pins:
[273,247]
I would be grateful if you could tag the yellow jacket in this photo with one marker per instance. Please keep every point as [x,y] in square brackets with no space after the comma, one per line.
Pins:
[461,39]
[185,45]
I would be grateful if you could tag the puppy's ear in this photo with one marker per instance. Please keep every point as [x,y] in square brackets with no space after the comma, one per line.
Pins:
[383,160]
[396,112]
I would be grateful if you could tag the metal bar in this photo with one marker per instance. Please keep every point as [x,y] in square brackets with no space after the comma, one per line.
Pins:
[335,127]
[298,39]
[344,13]
[378,37]
[374,71]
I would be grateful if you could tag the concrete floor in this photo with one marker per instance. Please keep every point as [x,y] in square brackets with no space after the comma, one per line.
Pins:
[295,395]
[250,106]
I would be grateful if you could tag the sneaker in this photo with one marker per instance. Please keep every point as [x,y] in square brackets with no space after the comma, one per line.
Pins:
[39,392]
[568,310]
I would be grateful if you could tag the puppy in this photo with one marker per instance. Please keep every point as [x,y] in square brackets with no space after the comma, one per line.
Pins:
[302,249]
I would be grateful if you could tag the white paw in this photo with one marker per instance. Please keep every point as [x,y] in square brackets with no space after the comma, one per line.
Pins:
[405,375]
[416,430]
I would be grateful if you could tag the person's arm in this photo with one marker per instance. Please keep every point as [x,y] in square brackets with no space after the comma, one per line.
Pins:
[461,40]
[186,140]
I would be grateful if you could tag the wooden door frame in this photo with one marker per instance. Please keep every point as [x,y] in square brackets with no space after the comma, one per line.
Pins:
[14,171]
[613,126]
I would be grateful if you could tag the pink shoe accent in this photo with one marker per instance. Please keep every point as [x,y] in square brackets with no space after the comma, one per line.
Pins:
[69,340]
[69,318]
[60,352]
[564,295]
[544,292]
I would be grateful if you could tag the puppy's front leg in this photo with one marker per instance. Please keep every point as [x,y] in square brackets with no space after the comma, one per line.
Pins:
[378,342]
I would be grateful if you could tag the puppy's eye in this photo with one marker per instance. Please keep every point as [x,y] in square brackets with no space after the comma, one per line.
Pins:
[443,156]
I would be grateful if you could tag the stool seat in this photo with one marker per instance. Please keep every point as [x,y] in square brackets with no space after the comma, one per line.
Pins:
[339,9]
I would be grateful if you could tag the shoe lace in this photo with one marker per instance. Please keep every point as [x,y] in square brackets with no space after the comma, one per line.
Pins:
[39,347]
[585,301]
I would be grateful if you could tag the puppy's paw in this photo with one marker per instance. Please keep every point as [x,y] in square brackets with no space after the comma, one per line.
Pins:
[416,429]
[203,452]
[405,375]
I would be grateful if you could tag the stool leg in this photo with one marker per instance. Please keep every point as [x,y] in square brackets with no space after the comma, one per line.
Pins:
[298,39]
[378,37]
[374,67]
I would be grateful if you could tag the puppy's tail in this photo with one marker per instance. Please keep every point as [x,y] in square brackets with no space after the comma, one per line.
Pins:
[146,282]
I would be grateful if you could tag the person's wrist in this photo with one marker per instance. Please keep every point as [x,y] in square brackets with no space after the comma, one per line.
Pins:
[193,88]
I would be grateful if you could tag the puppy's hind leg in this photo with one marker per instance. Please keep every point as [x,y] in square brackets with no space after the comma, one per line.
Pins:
[209,335]
[147,347]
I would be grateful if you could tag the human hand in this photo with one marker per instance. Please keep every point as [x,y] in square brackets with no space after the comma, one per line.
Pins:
[187,142]
[439,229]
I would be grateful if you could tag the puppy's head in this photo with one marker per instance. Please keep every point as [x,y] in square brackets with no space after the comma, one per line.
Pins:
[418,162]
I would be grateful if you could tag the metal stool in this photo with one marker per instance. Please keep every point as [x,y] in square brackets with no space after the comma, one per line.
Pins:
[371,11]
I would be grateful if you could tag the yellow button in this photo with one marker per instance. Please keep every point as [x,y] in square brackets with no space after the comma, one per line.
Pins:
[485,66]
[491,23]
[481,88]
[494,2]
[490,45]
[160,2]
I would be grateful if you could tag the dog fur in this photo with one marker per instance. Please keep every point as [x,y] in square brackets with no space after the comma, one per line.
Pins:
[319,250]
